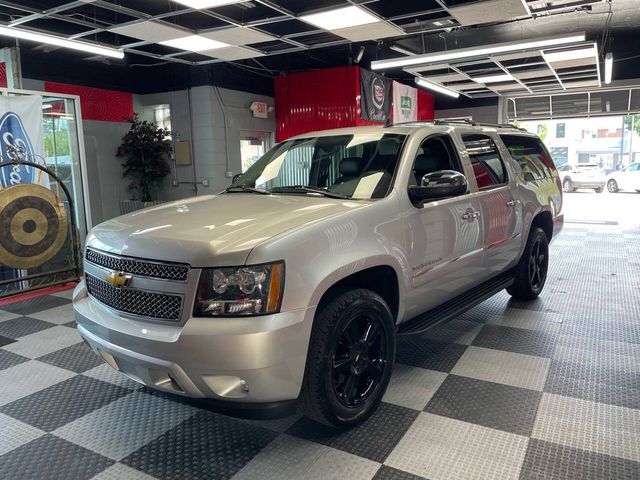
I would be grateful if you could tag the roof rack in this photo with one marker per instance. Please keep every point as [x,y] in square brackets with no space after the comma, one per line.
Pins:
[455,121]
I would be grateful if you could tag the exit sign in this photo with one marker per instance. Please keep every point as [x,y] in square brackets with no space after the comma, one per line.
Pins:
[259,109]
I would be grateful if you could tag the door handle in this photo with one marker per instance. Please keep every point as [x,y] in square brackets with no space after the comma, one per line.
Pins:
[513,203]
[470,215]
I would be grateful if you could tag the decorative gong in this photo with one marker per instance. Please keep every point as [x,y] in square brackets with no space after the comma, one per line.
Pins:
[33,226]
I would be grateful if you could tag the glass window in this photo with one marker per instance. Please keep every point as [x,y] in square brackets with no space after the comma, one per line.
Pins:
[359,166]
[487,165]
[634,166]
[435,153]
[531,155]
[162,116]
[560,130]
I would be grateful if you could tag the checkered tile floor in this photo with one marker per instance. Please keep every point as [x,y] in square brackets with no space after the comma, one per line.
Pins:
[549,389]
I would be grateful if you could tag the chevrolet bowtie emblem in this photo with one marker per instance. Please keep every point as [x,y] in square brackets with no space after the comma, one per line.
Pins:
[118,279]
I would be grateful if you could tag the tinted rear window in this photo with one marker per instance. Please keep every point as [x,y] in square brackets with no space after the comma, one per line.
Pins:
[531,155]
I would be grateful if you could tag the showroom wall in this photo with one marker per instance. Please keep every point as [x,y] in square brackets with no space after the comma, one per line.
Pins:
[482,113]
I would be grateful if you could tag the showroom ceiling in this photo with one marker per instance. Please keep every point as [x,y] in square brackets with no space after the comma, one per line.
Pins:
[261,38]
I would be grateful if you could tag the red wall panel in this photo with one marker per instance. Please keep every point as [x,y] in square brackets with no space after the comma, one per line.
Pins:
[97,103]
[326,99]
[3,75]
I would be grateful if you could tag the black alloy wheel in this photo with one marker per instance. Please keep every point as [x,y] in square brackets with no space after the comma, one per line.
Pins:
[530,274]
[358,360]
[350,358]
[538,263]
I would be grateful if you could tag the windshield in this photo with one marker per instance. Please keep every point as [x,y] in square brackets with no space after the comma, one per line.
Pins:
[359,166]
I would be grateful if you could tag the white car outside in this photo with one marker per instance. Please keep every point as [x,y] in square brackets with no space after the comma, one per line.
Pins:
[626,179]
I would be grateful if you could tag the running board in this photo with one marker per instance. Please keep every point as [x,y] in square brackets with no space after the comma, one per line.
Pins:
[456,306]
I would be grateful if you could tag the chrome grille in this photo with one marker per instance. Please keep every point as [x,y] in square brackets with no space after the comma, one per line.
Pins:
[138,302]
[169,271]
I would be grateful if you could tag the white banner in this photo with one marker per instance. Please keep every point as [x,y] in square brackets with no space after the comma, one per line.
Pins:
[21,137]
[405,103]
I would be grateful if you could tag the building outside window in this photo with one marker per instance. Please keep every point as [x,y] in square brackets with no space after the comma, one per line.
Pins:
[560,130]
[162,116]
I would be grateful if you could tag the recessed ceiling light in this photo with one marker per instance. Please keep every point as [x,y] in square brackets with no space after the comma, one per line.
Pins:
[200,4]
[574,54]
[504,77]
[340,18]
[476,51]
[194,43]
[422,82]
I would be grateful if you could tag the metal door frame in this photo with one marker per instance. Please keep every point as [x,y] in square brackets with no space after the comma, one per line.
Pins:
[81,148]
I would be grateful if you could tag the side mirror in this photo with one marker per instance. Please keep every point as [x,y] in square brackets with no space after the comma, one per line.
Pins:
[236,177]
[440,184]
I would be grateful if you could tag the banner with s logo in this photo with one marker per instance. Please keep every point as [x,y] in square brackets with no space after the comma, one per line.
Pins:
[21,137]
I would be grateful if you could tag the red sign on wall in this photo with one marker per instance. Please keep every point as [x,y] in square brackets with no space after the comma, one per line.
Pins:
[3,75]
[97,103]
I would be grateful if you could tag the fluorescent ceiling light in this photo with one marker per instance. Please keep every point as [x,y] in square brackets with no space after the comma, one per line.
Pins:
[200,4]
[340,18]
[576,53]
[398,49]
[504,77]
[194,43]
[60,42]
[435,87]
[608,67]
[476,51]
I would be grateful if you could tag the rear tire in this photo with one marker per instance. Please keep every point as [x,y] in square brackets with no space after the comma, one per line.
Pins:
[567,186]
[530,274]
[351,354]
[612,186]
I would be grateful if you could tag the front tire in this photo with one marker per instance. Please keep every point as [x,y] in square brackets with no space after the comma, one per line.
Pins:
[530,274]
[612,186]
[598,190]
[567,186]
[351,354]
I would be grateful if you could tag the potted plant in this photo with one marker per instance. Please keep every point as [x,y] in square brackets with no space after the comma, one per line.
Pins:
[144,150]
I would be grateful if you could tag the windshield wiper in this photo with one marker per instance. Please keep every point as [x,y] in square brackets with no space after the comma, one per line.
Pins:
[244,188]
[298,188]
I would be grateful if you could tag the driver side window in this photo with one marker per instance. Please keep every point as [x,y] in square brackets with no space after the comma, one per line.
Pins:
[434,154]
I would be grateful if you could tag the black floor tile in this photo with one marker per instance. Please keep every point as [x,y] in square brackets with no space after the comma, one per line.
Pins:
[546,460]
[28,307]
[493,405]
[63,402]
[206,446]
[419,351]
[78,358]
[5,341]
[21,326]
[389,473]
[373,439]
[52,458]
[518,340]
[10,359]
[598,384]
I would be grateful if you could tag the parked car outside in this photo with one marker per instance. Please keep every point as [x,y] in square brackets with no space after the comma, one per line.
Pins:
[588,176]
[626,179]
[291,286]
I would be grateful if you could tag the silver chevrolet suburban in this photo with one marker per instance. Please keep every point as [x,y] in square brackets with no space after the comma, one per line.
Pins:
[292,285]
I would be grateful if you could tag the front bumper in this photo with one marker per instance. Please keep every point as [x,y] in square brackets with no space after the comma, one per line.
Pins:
[247,360]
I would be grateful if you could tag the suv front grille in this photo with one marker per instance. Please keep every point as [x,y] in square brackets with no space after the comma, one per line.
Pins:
[138,302]
[168,271]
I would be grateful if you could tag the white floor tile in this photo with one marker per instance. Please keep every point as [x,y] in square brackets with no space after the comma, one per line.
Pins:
[441,448]
[592,426]
[43,342]
[27,378]
[60,315]
[14,433]
[412,387]
[509,368]
[118,471]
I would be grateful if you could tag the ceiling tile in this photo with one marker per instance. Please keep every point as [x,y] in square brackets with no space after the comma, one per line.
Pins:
[489,11]
[371,31]
[232,53]
[238,36]
[151,31]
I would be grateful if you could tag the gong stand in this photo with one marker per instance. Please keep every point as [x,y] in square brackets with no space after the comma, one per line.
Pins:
[49,277]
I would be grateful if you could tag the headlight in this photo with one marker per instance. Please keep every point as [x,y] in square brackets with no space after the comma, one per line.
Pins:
[237,291]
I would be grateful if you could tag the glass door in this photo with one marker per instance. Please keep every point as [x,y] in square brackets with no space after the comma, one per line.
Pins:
[253,145]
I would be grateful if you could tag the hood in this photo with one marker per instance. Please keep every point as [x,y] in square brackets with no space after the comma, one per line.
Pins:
[212,230]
